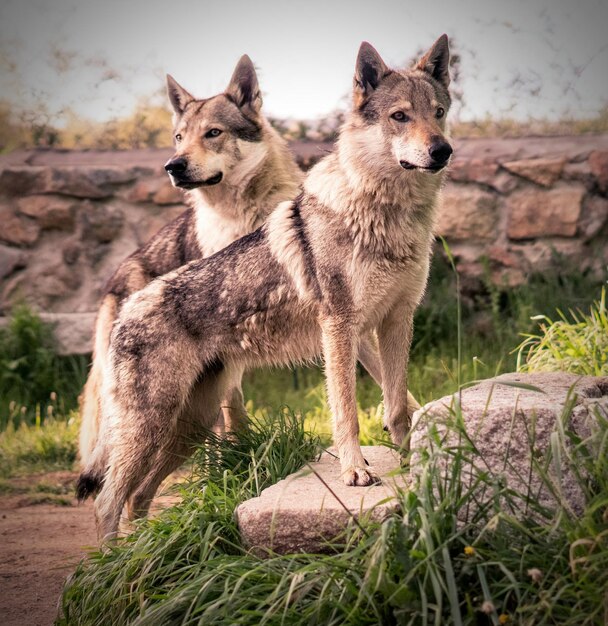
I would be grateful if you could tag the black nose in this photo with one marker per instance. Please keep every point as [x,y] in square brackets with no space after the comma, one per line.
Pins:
[176,166]
[440,151]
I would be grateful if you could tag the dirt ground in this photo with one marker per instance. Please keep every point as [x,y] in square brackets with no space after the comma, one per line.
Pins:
[40,543]
[43,535]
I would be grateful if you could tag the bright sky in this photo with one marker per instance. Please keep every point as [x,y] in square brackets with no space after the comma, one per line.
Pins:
[99,56]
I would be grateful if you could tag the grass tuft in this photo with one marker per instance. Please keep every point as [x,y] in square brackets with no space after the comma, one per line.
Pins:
[577,343]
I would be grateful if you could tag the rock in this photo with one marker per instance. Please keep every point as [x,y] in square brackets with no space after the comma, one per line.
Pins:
[503,255]
[499,420]
[73,332]
[467,212]
[146,228]
[168,194]
[11,259]
[16,229]
[541,256]
[87,182]
[71,252]
[543,172]
[78,181]
[22,180]
[598,162]
[56,281]
[594,216]
[484,172]
[300,514]
[144,190]
[535,213]
[49,212]
[579,172]
[101,221]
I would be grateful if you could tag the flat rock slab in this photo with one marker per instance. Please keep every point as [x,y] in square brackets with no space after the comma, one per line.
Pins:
[301,514]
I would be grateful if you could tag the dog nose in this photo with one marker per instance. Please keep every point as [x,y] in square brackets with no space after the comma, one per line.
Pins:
[440,151]
[176,166]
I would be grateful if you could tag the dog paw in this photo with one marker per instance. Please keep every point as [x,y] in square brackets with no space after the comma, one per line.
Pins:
[360,477]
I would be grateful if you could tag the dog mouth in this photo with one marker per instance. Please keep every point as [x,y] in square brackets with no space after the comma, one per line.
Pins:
[193,184]
[406,165]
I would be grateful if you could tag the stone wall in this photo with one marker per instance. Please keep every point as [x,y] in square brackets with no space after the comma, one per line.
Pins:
[67,219]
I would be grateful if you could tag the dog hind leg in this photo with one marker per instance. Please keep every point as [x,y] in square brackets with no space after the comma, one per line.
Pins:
[197,417]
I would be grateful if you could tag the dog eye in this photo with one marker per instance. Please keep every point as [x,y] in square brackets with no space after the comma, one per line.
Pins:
[400,116]
[178,137]
[440,112]
[214,132]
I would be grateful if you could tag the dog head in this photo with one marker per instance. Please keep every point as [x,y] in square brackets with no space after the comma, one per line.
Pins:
[217,140]
[401,114]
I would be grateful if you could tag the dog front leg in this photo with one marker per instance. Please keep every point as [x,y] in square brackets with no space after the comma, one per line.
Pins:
[339,349]
[394,338]
[369,357]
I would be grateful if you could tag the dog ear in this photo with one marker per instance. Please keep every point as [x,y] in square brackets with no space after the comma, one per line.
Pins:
[436,61]
[243,87]
[369,71]
[178,96]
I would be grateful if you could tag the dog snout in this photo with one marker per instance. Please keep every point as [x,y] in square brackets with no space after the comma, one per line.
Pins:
[440,151]
[177,165]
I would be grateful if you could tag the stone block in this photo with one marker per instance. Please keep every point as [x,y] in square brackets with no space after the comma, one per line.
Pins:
[467,212]
[535,213]
[544,171]
[49,211]
[301,514]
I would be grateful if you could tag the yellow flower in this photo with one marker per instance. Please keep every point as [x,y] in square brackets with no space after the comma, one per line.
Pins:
[503,618]
[469,550]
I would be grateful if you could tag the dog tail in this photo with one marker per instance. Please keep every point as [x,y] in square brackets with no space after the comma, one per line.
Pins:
[89,484]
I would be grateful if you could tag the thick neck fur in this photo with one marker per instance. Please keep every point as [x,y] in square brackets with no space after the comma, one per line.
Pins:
[383,205]
[266,175]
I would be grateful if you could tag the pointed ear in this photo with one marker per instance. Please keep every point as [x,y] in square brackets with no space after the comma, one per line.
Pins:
[178,96]
[243,87]
[436,61]
[369,71]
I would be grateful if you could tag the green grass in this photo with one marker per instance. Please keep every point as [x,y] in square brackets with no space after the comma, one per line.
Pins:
[454,554]
[465,548]
[38,448]
[577,343]
[32,376]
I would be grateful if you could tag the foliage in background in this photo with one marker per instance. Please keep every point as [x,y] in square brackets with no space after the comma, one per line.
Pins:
[577,343]
[34,380]
[149,126]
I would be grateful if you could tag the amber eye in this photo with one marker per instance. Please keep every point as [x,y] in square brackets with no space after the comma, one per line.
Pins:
[400,116]
[440,112]
[178,137]
[214,132]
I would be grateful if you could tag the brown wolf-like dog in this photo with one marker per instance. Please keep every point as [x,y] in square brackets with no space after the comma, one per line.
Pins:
[236,168]
[350,255]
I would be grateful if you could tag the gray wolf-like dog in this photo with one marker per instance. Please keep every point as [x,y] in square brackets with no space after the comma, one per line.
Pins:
[236,168]
[349,256]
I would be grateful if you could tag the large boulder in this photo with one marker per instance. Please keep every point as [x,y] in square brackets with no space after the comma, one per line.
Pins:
[514,431]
